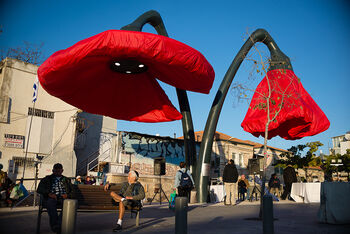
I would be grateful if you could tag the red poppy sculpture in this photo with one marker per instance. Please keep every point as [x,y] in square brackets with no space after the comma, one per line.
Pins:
[295,113]
[114,74]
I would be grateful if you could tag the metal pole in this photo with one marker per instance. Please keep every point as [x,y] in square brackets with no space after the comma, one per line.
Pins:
[35,182]
[69,216]
[153,18]
[26,152]
[278,61]
[181,207]
[160,189]
[268,227]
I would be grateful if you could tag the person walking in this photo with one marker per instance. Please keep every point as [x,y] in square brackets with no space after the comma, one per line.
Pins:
[184,182]
[230,178]
[289,177]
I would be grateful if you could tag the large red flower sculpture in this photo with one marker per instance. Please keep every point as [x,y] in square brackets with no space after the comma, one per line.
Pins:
[114,74]
[297,114]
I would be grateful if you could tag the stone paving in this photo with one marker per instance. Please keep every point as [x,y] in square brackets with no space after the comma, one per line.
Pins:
[291,217]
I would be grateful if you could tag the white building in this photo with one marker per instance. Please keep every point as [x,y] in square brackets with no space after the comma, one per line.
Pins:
[51,123]
[340,144]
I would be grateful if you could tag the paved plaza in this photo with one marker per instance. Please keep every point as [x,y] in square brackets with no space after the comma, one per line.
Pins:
[292,217]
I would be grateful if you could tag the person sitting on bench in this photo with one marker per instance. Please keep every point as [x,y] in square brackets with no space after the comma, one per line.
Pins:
[55,188]
[131,193]
[274,185]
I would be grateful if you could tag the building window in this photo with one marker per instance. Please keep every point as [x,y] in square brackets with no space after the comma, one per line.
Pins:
[16,165]
[19,161]
[40,113]
[241,160]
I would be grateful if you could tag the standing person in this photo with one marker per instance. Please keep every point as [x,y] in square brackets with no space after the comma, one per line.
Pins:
[243,186]
[230,178]
[55,188]
[289,177]
[183,181]
[274,185]
[131,193]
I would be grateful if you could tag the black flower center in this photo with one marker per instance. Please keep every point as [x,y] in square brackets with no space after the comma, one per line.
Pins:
[128,66]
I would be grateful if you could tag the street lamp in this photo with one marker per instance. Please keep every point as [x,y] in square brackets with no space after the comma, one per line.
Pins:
[278,61]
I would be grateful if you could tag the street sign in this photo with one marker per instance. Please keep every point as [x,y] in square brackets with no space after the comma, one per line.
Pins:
[14,141]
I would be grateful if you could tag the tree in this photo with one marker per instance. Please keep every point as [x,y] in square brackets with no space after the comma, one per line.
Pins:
[295,158]
[28,53]
[272,101]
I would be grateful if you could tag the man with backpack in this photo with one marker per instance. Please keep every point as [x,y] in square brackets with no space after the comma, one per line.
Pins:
[183,181]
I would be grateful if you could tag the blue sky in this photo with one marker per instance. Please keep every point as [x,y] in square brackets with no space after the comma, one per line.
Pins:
[314,34]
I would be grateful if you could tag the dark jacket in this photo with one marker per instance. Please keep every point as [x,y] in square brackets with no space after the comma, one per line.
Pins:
[274,182]
[289,175]
[46,183]
[230,173]
[243,183]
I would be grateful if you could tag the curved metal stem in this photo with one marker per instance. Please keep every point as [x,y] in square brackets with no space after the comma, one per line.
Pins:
[153,18]
[278,61]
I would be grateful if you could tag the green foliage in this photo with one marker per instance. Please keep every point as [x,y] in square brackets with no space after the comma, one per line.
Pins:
[294,156]
[313,146]
[328,168]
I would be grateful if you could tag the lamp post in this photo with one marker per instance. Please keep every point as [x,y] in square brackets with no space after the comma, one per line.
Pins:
[278,61]
[36,164]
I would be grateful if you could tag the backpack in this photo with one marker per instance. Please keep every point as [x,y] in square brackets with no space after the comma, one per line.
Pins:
[185,180]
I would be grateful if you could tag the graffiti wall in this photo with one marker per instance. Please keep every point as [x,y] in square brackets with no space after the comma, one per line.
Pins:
[139,150]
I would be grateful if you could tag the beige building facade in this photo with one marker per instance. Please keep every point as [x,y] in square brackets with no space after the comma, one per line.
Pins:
[51,122]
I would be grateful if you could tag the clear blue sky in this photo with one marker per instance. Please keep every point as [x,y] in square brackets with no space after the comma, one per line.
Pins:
[314,34]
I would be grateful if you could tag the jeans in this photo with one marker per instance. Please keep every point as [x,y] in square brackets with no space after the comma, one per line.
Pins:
[55,219]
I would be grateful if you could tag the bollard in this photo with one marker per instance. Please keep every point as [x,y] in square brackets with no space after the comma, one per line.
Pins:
[69,216]
[181,206]
[268,227]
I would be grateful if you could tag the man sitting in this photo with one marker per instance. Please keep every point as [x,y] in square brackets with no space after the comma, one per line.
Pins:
[131,193]
[55,188]
[274,185]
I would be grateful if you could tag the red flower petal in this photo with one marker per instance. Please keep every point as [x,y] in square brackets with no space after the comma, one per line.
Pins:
[81,75]
[299,116]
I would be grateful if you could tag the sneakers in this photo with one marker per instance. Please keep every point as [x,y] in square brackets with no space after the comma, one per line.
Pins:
[117,228]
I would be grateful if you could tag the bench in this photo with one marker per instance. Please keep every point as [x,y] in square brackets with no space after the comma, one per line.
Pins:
[91,197]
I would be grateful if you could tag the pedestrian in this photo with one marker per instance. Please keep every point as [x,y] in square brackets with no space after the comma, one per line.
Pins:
[184,182]
[230,178]
[55,188]
[289,177]
[131,193]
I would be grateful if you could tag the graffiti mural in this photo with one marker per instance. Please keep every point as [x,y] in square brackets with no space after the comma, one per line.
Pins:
[148,146]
